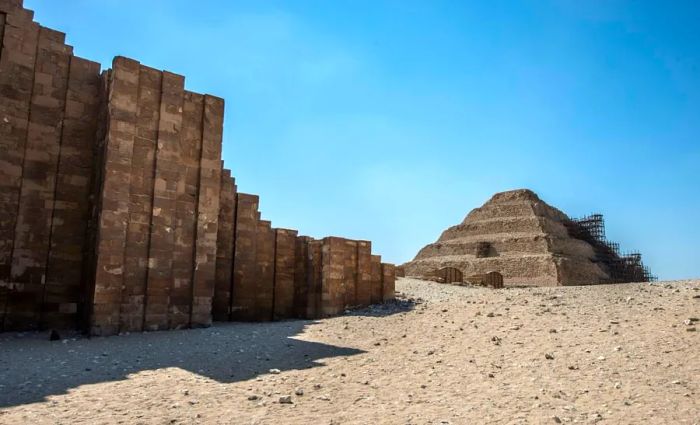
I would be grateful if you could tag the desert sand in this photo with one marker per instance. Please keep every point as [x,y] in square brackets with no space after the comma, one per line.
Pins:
[441,354]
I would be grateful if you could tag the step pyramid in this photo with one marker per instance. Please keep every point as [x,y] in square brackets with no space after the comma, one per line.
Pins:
[520,236]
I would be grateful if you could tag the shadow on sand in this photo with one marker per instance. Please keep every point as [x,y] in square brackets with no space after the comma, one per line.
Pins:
[32,368]
[399,305]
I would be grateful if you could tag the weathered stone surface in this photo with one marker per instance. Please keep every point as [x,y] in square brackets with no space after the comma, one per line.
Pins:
[63,294]
[138,238]
[264,272]
[518,235]
[245,255]
[376,293]
[42,194]
[17,62]
[221,307]
[447,275]
[302,265]
[363,283]
[492,279]
[114,197]
[314,279]
[334,253]
[163,222]
[349,282]
[207,210]
[185,227]
[284,273]
[118,215]
[388,281]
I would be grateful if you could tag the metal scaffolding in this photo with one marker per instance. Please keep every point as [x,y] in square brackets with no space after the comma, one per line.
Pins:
[621,268]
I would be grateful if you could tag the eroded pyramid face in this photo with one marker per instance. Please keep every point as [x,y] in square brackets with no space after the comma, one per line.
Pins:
[518,235]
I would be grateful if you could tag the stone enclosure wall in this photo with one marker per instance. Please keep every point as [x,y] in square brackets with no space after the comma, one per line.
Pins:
[48,119]
[116,213]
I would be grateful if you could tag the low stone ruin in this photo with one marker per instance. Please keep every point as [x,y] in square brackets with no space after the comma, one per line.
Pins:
[454,276]
[116,213]
[490,279]
[528,242]
[449,275]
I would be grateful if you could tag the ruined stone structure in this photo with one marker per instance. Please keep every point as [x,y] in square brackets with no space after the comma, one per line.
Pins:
[449,275]
[490,279]
[116,213]
[530,243]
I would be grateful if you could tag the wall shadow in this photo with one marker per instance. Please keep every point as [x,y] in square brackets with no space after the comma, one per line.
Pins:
[387,308]
[32,367]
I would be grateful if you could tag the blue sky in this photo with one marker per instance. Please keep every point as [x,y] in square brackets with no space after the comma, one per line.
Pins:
[390,120]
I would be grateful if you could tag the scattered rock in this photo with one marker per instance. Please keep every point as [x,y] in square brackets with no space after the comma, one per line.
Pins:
[595,417]
[286,399]
[275,371]
[253,397]
[299,392]
[54,335]
[549,356]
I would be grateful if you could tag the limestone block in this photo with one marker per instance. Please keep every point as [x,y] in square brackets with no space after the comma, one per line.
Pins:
[349,281]
[168,173]
[314,278]
[142,170]
[376,284]
[265,272]
[114,196]
[221,305]
[207,210]
[284,294]
[64,290]
[301,276]
[363,288]
[245,254]
[187,192]
[388,281]
[334,253]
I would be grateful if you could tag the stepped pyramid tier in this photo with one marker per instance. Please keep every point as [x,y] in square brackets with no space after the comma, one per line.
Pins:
[529,242]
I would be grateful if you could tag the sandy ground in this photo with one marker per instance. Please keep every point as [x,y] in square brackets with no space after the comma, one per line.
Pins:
[444,354]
